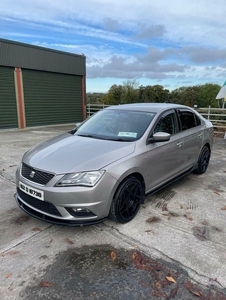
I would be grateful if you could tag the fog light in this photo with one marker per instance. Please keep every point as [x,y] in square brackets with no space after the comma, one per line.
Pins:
[80,212]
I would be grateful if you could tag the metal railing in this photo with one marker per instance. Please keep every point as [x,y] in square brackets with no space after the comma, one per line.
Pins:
[93,108]
[217,116]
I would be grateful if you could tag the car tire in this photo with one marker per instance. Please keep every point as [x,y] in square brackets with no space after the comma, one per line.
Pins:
[203,161]
[127,200]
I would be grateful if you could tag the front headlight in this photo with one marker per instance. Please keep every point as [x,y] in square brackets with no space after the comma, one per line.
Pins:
[83,179]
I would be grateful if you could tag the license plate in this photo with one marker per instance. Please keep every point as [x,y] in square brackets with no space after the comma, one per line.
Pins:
[31,191]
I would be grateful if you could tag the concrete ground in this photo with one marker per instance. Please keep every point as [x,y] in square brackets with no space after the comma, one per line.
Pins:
[179,233]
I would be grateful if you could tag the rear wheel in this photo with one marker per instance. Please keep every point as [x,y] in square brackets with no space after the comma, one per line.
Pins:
[127,200]
[203,161]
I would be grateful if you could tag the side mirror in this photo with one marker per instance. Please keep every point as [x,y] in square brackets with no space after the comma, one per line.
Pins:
[160,137]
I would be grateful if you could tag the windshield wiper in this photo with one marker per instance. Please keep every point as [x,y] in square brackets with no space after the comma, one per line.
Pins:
[103,138]
[118,140]
[72,131]
[91,136]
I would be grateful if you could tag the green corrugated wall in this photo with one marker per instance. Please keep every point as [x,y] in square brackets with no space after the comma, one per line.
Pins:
[8,108]
[51,98]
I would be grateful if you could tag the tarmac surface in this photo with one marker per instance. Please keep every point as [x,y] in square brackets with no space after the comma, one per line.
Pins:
[173,249]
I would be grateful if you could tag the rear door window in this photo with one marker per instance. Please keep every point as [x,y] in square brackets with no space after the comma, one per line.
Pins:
[187,119]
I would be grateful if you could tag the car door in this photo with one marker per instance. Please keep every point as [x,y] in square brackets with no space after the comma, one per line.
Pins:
[165,160]
[192,131]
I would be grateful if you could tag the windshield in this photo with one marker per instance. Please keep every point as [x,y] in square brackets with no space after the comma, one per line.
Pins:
[119,125]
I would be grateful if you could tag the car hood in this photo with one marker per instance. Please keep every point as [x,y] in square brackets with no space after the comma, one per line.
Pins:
[70,153]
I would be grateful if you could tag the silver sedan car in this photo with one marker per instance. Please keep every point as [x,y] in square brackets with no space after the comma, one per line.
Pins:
[108,164]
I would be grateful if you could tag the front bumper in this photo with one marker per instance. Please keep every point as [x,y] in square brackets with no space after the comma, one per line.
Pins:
[49,219]
[60,202]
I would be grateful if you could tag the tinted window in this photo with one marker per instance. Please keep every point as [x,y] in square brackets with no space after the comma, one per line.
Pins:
[198,121]
[187,119]
[167,124]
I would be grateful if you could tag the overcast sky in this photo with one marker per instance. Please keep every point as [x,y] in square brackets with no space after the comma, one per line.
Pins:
[172,43]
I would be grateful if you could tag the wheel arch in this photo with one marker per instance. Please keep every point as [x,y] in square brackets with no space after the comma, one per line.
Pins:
[116,213]
[208,146]
[132,174]
[203,162]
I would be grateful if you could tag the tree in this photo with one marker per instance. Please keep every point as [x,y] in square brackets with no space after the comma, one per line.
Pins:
[129,92]
[191,96]
[130,88]
[177,95]
[155,93]
[186,96]
[202,95]
[208,93]
[120,94]
[113,96]
[94,97]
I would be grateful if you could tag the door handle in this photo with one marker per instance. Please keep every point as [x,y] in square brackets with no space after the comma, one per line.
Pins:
[179,144]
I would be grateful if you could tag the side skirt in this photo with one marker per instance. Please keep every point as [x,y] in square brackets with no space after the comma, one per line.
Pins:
[170,182]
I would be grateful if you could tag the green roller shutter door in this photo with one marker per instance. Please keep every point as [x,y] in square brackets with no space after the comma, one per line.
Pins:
[51,98]
[8,108]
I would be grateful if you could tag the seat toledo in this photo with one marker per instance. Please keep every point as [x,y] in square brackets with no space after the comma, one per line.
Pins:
[108,164]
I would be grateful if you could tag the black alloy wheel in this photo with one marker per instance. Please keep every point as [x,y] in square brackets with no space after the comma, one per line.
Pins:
[203,161]
[127,200]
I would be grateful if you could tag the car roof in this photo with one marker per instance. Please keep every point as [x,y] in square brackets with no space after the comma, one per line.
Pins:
[150,107]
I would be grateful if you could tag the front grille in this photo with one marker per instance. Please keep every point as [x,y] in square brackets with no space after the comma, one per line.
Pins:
[38,176]
[39,204]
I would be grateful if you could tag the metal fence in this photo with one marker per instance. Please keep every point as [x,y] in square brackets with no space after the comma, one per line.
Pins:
[93,108]
[217,116]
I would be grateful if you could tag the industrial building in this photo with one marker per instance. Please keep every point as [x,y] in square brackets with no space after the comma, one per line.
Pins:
[40,86]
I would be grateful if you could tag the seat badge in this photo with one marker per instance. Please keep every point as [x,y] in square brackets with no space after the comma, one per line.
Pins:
[32,174]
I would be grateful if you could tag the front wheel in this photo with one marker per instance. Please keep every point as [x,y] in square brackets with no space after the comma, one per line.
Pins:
[203,161]
[127,200]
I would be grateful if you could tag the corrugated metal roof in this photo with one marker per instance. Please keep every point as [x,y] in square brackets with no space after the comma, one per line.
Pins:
[14,54]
